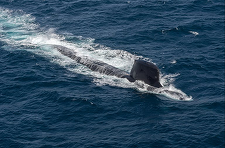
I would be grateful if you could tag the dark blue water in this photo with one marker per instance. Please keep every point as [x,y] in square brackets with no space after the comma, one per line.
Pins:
[48,100]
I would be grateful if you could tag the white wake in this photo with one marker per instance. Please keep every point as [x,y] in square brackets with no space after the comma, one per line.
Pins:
[20,32]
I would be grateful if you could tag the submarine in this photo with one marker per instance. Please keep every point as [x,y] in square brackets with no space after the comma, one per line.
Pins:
[144,71]
[141,70]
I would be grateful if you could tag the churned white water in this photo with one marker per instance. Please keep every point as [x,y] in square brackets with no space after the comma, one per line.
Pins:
[20,31]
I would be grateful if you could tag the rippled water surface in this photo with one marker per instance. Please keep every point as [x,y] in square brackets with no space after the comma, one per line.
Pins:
[49,100]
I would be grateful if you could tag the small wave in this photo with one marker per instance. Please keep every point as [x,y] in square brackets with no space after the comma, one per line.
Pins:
[193,32]
[173,62]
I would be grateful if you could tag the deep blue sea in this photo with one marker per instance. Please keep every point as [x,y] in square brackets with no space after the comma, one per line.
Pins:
[49,100]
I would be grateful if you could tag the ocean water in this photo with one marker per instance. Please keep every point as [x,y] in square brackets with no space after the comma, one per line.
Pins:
[49,100]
